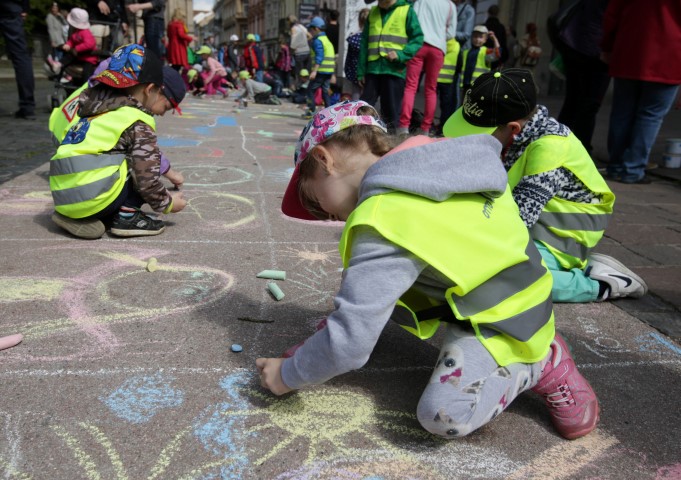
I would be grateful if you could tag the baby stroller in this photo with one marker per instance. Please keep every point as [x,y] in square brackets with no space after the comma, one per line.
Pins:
[69,77]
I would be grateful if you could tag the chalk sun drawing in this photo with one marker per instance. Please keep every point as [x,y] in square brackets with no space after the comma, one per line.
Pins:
[304,255]
[233,210]
[112,466]
[90,303]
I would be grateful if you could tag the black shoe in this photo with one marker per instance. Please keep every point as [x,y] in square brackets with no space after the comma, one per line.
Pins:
[24,115]
[139,225]
[645,180]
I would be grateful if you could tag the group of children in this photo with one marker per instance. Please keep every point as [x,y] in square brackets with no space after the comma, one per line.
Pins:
[481,231]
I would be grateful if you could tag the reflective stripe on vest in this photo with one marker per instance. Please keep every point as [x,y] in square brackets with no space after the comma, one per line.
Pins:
[448,69]
[569,230]
[500,284]
[328,64]
[84,177]
[480,64]
[388,37]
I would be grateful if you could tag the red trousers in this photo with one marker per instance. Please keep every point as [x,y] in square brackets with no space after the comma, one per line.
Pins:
[428,59]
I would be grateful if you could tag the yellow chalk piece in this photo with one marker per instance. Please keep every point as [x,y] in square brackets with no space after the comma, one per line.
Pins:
[272,274]
[275,290]
[152,265]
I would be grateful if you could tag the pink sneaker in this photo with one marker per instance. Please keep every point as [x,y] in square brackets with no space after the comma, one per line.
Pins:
[291,351]
[571,400]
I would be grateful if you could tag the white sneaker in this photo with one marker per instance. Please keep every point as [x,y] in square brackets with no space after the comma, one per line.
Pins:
[622,281]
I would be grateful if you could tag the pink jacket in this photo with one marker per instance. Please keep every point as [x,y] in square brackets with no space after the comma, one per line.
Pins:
[83,43]
[643,40]
[214,68]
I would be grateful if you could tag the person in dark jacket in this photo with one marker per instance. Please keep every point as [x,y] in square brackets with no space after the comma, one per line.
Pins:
[12,16]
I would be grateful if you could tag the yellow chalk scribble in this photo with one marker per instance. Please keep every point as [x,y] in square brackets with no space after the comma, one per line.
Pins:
[19,289]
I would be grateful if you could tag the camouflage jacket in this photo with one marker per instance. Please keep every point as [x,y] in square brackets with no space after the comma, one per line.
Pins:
[137,142]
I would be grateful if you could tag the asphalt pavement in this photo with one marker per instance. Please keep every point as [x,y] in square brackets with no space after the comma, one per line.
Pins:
[128,374]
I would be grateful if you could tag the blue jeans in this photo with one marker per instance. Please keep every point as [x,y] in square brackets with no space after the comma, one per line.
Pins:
[322,80]
[154,30]
[12,28]
[638,108]
[569,286]
[447,94]
[259,74]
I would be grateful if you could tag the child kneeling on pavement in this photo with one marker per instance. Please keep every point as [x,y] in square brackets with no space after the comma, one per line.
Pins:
[563,199]
[256,92]
[108,164]
[432,234]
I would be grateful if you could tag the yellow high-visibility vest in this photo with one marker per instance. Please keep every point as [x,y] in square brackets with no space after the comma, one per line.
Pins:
[64,116]
[391,36]
[328,63]
[84,176]
[448,69]
[568,229]
[480,64]
[500,283]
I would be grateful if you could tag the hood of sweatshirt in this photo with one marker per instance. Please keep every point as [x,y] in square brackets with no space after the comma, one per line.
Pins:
[101,99]
[438,169]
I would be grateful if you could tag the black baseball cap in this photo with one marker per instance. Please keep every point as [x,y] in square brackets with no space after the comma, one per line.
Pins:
[495,98]
[173,87]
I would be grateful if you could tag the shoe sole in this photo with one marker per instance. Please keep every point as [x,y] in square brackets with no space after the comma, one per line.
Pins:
[87,229]
[615,264]
[137,233]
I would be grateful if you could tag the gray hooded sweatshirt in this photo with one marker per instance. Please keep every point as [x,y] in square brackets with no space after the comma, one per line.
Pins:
[380,271]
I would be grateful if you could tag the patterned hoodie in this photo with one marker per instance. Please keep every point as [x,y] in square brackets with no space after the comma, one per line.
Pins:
[137,142]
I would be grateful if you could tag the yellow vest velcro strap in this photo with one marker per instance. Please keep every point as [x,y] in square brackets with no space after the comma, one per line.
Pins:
[564,244]
[501,286]
[389,38]
[522,326]
[576,221]
[84,192]
[83,163]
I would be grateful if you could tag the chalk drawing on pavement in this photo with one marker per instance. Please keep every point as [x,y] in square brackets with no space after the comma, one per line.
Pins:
[84,308]
[232,210]
[214,175]
[140,398]
[281,176]
[310,256]
[31,203]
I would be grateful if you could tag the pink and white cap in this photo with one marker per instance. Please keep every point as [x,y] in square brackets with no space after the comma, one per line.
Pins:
[325,123]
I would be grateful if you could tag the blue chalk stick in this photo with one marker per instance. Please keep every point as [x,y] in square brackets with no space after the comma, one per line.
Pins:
[236,347]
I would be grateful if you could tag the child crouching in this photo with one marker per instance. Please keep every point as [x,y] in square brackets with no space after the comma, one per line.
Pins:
[108,164]
[405,209]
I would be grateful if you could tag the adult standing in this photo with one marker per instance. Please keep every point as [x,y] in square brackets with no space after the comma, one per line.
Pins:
[438,24]
[178,41]
[153,15]
[391,37]
[354,41]
[103,14]
[465,21]
[232,60]
[647,73]
[332,29]
[299,46]
[57,29]
[530,47]
[586,76]
[12,16]
[493,24]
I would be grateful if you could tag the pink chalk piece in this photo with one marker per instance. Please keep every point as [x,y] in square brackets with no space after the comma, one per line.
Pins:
[10,341]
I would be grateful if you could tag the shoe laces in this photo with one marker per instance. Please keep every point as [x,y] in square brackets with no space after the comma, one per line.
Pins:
[561,398]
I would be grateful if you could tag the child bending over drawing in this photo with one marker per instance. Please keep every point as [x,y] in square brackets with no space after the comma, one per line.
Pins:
[432,234]
[108,164]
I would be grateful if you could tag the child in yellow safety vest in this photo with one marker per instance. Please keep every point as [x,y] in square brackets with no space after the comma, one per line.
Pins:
[323,65]
[108,163]
[478,59]
[563,199]
[446,85]
[429,237]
